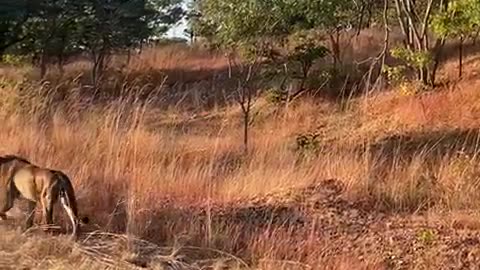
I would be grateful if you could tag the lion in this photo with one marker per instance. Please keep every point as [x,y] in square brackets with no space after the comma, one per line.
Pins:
[21,179]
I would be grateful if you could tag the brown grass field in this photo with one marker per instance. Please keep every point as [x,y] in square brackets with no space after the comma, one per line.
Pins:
[395,183]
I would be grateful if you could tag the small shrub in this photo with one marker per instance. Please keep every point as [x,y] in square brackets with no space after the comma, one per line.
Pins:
[275,95]
[426,236]
[307,144]
[395,75]
[411,58]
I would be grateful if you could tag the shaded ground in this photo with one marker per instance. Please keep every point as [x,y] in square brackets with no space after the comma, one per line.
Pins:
[341,228]
[353,229]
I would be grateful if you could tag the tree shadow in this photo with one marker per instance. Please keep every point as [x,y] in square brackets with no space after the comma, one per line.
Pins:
[451,50]
[434,145]
[215,224]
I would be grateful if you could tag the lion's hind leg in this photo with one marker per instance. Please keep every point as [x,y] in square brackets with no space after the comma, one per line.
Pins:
[6,202]
[48,199]
[30,213]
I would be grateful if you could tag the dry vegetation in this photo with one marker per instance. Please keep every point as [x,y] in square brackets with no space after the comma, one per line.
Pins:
[393,183]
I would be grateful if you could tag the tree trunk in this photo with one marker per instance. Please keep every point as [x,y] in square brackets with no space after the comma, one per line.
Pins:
[460,58]
[98,67]
[438,49]
[334,40]
[246,124]
[475,37]
[360,21]
[129,57]
[43,65]
[61,63]
[424,75]
[94,71]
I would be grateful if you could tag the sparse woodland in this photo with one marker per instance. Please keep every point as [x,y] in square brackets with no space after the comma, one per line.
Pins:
[282,134]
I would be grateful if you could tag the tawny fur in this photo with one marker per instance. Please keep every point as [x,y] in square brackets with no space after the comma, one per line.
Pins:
[9,165]
[21,179]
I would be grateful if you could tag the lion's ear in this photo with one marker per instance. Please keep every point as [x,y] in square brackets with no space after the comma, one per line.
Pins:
[85,220]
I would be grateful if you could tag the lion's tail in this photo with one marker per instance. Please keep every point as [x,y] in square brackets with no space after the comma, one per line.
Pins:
[68,200]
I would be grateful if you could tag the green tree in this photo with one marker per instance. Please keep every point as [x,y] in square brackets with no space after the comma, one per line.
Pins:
[232,21]
[50,29]
[413,19]
[51,32]
[13,15]
[279,31]
[461,19]
[240,27]
[109,26]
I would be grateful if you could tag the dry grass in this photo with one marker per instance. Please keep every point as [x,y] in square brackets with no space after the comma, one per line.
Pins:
[147,172]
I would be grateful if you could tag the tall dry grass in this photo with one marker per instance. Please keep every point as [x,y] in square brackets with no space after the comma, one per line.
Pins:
[154,183]
[139,171]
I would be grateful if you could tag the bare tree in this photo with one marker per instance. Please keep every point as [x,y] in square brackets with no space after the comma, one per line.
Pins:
[246,90]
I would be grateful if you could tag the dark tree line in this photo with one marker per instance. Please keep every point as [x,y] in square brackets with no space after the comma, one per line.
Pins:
[52,30]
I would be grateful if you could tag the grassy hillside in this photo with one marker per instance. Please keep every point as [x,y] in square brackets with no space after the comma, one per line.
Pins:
[391,180]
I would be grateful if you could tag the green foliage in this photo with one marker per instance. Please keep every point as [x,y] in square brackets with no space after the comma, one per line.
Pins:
[233,22]
[330,14]
[308,52]
[281,31]
[59,28]
[426,236]
[118,24]
[14,60]
[418,60]
[49,30]
[460,19]
[305,49]
[13,15]
[293,60]
[415,59]
[395,75]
